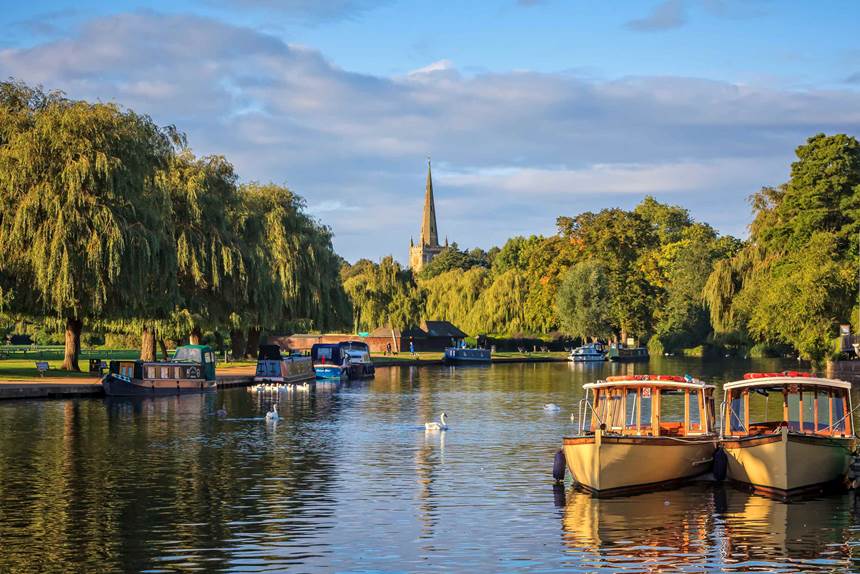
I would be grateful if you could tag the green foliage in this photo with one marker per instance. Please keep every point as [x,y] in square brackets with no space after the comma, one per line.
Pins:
[381,294]
[452,258]
[583,301]
[795,280]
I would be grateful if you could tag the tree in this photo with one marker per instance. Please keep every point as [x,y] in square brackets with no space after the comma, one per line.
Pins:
[452,258]
[583,301]
[81,214]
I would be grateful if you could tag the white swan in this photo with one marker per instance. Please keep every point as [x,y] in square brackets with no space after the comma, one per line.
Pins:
[272,415]
[443,425]
[551,408]
[222,412]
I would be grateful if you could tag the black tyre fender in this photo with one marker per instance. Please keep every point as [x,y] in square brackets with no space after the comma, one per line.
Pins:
[559,466]
[721,464]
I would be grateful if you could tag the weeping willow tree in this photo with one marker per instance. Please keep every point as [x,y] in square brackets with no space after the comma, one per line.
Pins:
[290,265]
[381,294]
[793,283]
[81,213]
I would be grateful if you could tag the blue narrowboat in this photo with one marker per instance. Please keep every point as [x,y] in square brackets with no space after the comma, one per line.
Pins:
[464,355]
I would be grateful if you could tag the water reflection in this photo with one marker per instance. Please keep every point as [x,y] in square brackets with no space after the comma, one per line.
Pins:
[349,480]
[710,527]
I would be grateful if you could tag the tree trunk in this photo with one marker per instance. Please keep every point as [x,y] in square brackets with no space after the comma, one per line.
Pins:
[73,344]
[253,342]
[163,346]
[237,343]
[147,344]
[195,336]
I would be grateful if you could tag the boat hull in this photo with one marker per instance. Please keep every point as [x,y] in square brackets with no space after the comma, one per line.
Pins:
[456,355]
[586,358]
[611,465]
[783,464]
[330,372]
[288,370]
[119,386]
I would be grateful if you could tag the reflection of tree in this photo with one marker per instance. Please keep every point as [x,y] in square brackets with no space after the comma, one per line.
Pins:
[120,485]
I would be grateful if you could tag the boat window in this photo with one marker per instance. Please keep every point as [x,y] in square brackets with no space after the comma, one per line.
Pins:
[599,409]
[631,408]
[188,354]
[672,406]
[324,352]
[645,408]
[694,411]
[823,410]
[808,404]
[766,409]
[838,413]
[793,411]
[165,372]
[736,414]
[150,372]
[615,418]
[177,372]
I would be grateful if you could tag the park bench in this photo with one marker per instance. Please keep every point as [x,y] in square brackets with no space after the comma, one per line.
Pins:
[42,366]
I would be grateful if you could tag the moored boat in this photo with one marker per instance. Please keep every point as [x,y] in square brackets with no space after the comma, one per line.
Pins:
[594,352]
[276,367]
[641,431]
[787,433]
[359,363]
[623,354]
[465,355]
[192,370]
[329,362]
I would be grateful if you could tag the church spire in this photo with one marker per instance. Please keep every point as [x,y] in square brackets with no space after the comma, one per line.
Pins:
[429,235]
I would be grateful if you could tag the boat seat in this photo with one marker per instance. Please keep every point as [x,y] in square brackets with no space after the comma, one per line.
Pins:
[672,429]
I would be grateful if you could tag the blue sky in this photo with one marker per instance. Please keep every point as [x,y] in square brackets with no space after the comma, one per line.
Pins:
[530,108]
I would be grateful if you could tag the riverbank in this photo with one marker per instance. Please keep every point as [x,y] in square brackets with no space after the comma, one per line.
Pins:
[428,359]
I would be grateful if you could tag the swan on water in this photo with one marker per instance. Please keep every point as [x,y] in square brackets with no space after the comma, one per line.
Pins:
[442,425]
[272,415]
[551,408]
[222,412]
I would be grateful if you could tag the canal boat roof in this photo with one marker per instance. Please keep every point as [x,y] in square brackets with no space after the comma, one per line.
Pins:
[694,384]
[781,380]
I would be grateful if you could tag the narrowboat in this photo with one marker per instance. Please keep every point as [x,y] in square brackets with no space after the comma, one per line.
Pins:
[641,431]
[329,363]
[276,367]
[595,352]
[192,370]
[622,354]
[463,355]
[802,440]
[359,363]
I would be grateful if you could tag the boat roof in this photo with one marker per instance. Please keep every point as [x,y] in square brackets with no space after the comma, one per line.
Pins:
[785,380]
[695,384]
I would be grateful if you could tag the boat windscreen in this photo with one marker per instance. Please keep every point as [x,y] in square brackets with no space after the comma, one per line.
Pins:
[188,354]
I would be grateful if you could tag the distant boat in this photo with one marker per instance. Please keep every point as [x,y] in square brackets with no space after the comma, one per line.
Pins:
[621,354]
[464,355]
[192,370]
[275,367]
[359,363]
[329,362]
[588,353]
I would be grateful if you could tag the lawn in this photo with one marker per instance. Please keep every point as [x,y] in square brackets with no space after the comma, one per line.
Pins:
[25,370]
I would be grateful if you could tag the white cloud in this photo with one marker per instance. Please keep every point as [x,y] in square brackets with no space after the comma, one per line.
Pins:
[283,112]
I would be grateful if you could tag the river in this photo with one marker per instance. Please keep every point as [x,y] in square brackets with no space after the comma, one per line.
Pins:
[349,481]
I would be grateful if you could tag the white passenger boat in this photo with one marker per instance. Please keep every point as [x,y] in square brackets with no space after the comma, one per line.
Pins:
[642,431]
[594,352]
[786,433]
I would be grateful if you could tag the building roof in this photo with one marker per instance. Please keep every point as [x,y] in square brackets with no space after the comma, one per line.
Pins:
[442,329]
[385,332]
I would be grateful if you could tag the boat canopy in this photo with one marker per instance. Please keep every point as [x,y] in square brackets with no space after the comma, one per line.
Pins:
[662,381]
[771,380]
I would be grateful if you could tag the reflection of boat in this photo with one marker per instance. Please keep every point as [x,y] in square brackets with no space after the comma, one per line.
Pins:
[621,354]
[192,370]
[609,532]
[642,431]
[801,440]
[699,525]
[588,353]
[274,367]
[464,355]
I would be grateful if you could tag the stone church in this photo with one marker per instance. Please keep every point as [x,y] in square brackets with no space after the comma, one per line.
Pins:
[428,244]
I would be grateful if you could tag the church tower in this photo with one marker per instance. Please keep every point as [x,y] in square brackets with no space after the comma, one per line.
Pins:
[428,244]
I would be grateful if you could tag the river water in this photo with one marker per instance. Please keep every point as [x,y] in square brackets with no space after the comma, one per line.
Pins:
[348,481]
